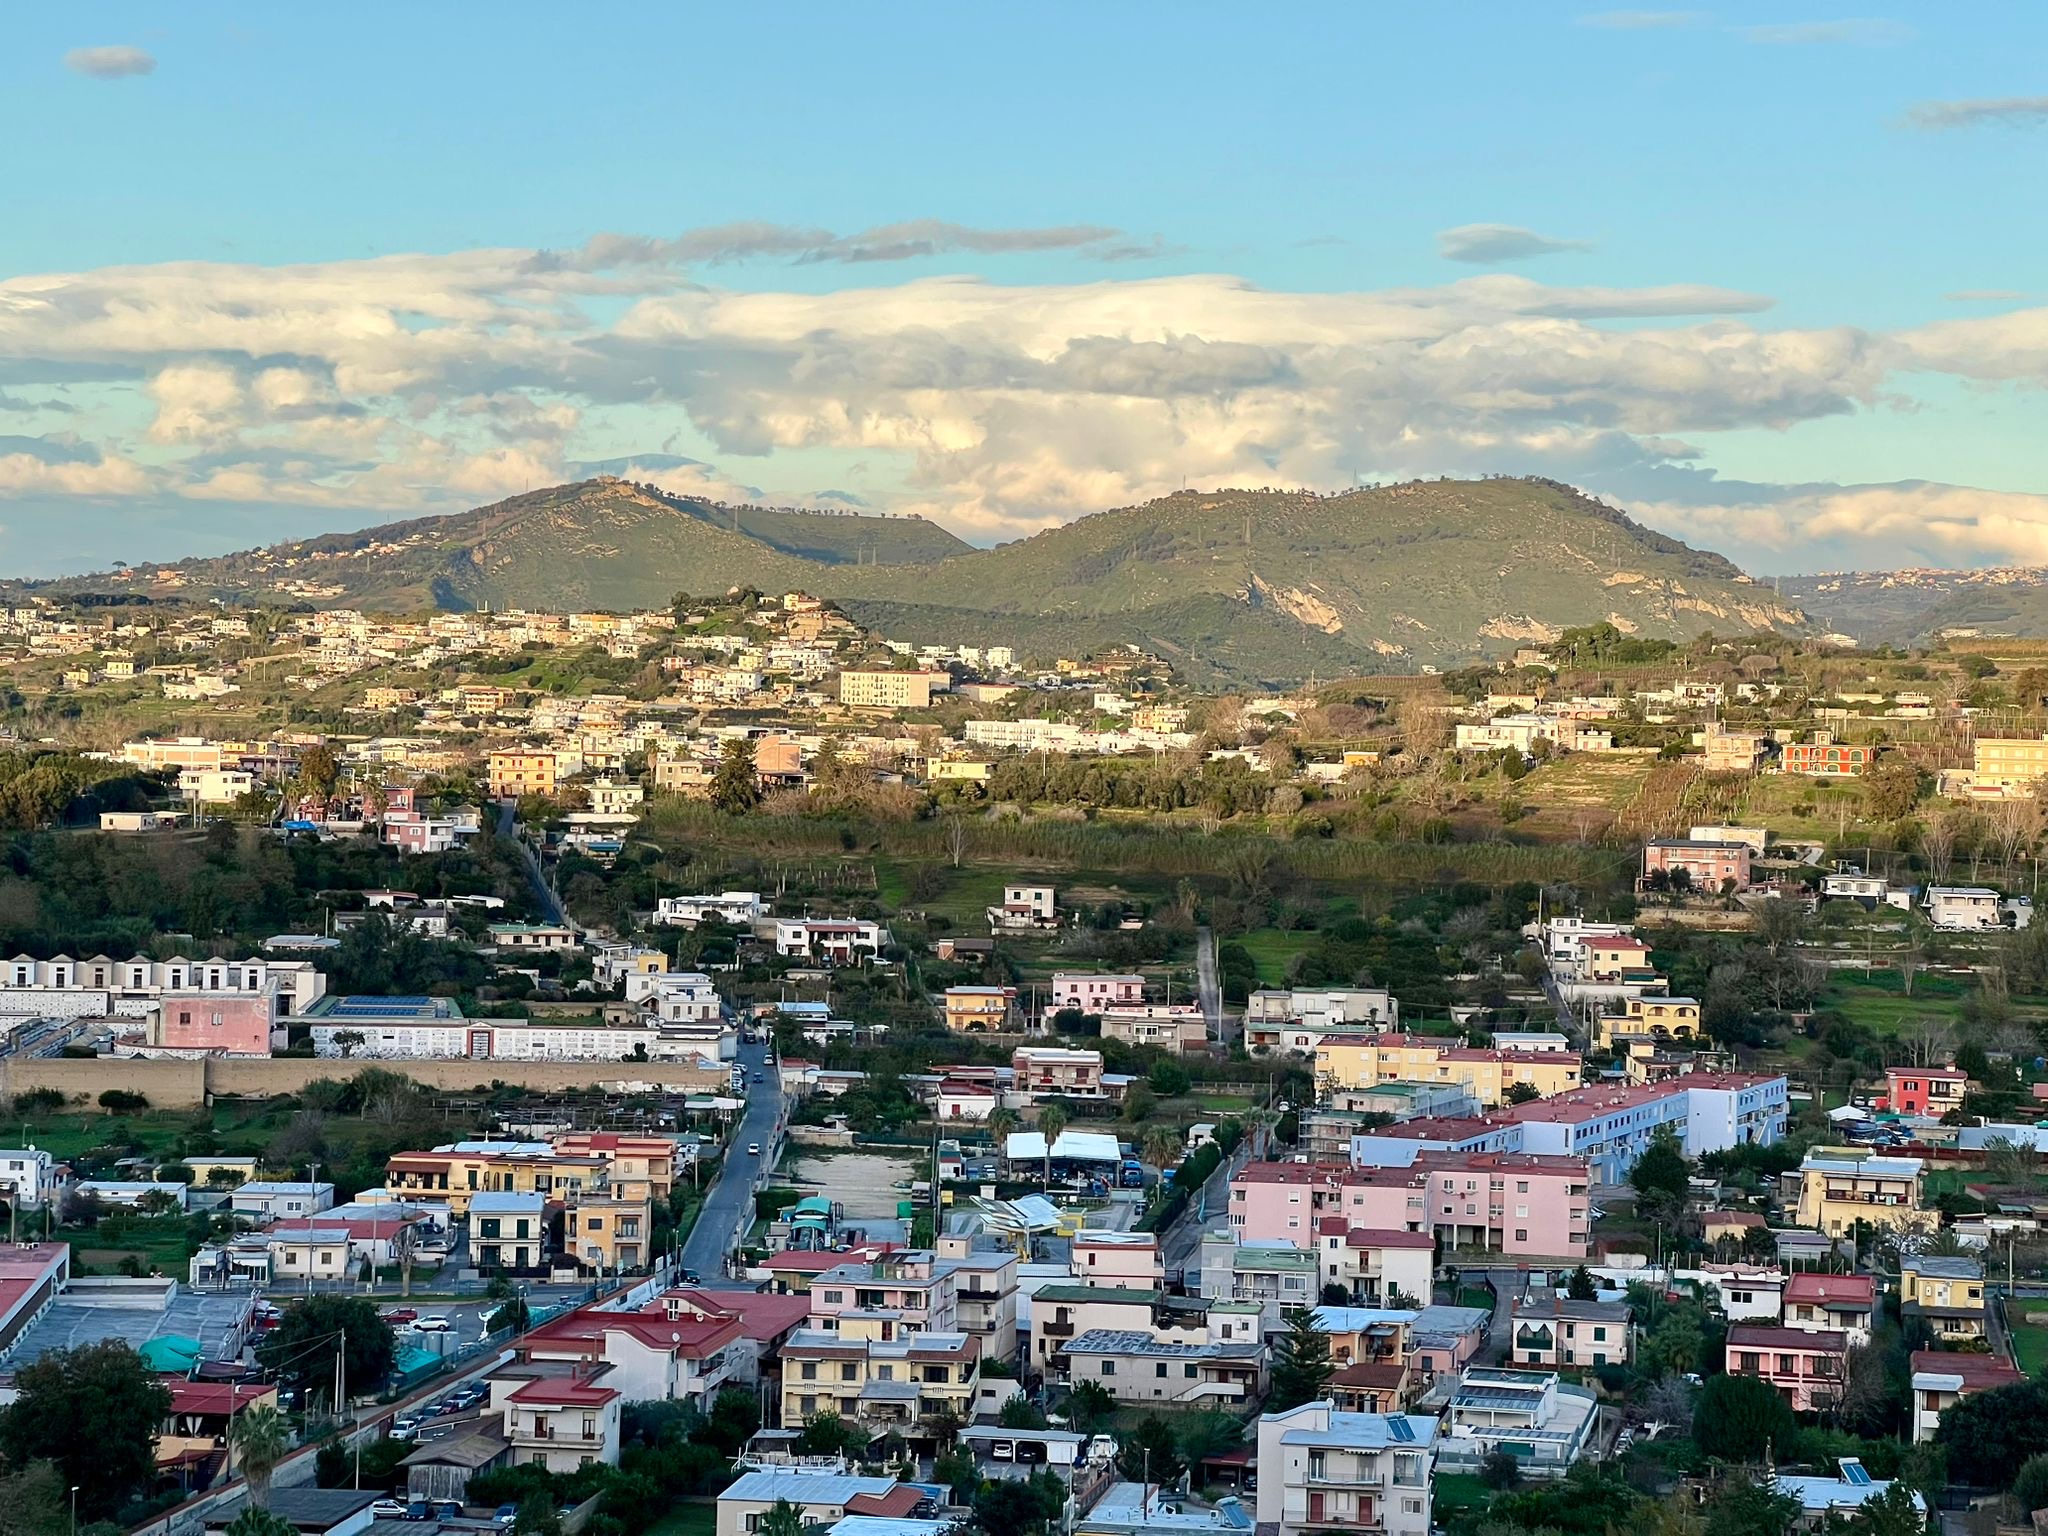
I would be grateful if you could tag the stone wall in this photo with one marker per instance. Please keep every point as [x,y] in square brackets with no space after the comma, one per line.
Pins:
[187,1083]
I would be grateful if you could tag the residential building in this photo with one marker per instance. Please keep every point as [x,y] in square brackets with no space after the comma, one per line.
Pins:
[1037,1071]
[2009,762]
[1825,758]
[563,1422]
[1942,1378]
[1509,1203]
[985,1289]
[516,771]
[1932,1091]
[1135,1366]
[1610,1126]
[28,1178]
[1830,1504]
[1556,1331]
[1092,993]
[1806,1368]
[1354,1061]
[1661,1019]
[1181,1027]
[1616,959]
[837,941]
[1842,1186]
[606,1232]
[1963,908]
[1533,1416]
[916,1287]
[885,690]
[1945,1293]
[509,1232]
[979,1010]
[672,1354]
[823,1494]
[878,1377]
[1116,1259]
[1377,1266]
[1709,866]
[1727,751]
[535,936]
[1322,1469]
[214,1024]
[63,987]
[1277,1019]
[1024,908]
[739,908]
[266,1200]
[1062,1313]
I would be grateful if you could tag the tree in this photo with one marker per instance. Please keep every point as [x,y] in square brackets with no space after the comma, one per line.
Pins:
[1302,1366]
[956,1468]
[1160,1146]
[1891,1513]
[258,1521]
[2030,1487]
[1675,1343]
[1052,1119]
[514,1314]
[1090,1405]
[302,1347]
[1659,1178]
[1205,1434]
[1745,1508]
[1500,1471]
[1150,1453]
[1891,789]
[826,1434]
[319,772]
[537,1515]
[1019,1412]
[782,1518]
[1989,1435]
[94,1412]
[735,1415]
[1581,1286]
[736,782]
[1019,1506]
[1523,1093]
[34,1502]
[1739,1418]
[260,1438]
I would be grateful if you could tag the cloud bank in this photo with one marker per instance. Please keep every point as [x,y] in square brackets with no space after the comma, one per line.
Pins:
[1489,244]
[117,62]
[359,389]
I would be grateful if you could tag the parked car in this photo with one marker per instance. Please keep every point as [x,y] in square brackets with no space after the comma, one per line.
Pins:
[447,1509]
[399,1315]
[753,1149]
[469,1397]
[419,1509]
[405,1427]
[433,1322]
[387,1509]
[508,1514]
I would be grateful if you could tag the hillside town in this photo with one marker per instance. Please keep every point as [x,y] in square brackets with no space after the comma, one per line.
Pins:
[754,1058]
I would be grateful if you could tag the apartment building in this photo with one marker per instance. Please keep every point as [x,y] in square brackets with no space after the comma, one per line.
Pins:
[605,1232]
[1840,1187]
[1617,959]
[885,690]
[1947,1294]
[2010,762]
[985,1291]
[918,1288]
[1532,1415]
[515,771]
[1324,1469]
[1805,1368]
[1826,758]
[1559,1332]
[1508,1203]
[681,1356]
[1822,1303]
[1663,1019]
[1091,993]
[1376,1266]
[1229,1366]
[1276,1277]
[836,941]
[1924,1090]
[509,1232]
[980,1010]
[1709,866]
[1117,1259]
[63,987]
[1041,1070]
[1181,1027]
[1063,1313]
[1943,1378]
[878,1377]
[1349,1062]
[562,1422]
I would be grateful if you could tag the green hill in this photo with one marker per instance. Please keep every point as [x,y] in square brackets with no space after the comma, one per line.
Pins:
[1248,585]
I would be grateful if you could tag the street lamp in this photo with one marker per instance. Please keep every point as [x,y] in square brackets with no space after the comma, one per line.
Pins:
[74,1509]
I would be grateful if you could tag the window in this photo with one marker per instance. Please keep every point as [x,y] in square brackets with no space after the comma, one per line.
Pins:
[1521,1234]
[1159,1370]
[809,1370]
[1109,1367]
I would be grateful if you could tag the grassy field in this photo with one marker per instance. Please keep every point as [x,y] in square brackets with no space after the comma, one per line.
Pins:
[1272,948]
[2030,1346]
[692,1519]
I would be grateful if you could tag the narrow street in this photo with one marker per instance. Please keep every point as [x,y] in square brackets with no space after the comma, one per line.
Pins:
[729,1207]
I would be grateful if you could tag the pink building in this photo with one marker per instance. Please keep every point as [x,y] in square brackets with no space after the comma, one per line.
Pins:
[1621,958]
[215,1023]
[1090,994]
[1117,1259]
[916,1286]
[1805,1367]
[1711,865]
[1510,1203]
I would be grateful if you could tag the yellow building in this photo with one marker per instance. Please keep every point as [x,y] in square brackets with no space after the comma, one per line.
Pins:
[2010,762]
[1841,1186]
[640,1167]
[608,1232]
[1672,1018]
[915,1376]
[1365,1061]
[886,690]
[458,1172]
[521,771]
[1946,1293]
[979,1010]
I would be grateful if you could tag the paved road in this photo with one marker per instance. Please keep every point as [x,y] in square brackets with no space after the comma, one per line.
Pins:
[551,909]
[730,1205]
[1183,1239]
[1207,983]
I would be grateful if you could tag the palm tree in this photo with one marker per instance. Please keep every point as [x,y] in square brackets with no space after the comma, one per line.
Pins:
[1001,1121]
[1160,1146]
[260,1439]
[782,1518]
[1051,1121]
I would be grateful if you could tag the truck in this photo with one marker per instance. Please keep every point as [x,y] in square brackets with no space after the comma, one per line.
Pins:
[1132,1175]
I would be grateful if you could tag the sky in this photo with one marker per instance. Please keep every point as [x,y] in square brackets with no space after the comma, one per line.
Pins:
[1769,277]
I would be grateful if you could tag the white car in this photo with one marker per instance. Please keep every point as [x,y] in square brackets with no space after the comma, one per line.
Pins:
[753,1149]
[433,1322]
[387,1509]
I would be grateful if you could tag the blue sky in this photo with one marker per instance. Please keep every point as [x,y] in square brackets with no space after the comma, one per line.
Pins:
[270,270]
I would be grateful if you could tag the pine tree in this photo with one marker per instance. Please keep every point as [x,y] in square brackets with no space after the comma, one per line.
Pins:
[1302,1366]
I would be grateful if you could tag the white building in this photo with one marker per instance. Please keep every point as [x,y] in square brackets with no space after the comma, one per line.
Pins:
[69,988]
[262,1200]
[28,1177]
[838,941]
[743,908]
[1963,908]
[1320,1469]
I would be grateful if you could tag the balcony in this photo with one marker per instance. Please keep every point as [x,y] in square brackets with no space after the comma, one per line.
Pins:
[555,1434]
[1054,1330]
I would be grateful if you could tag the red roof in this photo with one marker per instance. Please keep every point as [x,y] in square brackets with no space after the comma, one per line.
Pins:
[805,1261]
[1372,1237]
[897,1503]
[563,1392]
[1980,1373]
[585,1330]
[24,1268]
[221,1397]
[1845,1292]
[1750,1336]
[762,1316]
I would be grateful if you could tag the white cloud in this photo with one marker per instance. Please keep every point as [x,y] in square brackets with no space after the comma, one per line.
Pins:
[422,383]
[1487,244]
[116,62]
[1913,523]
[2010,111]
